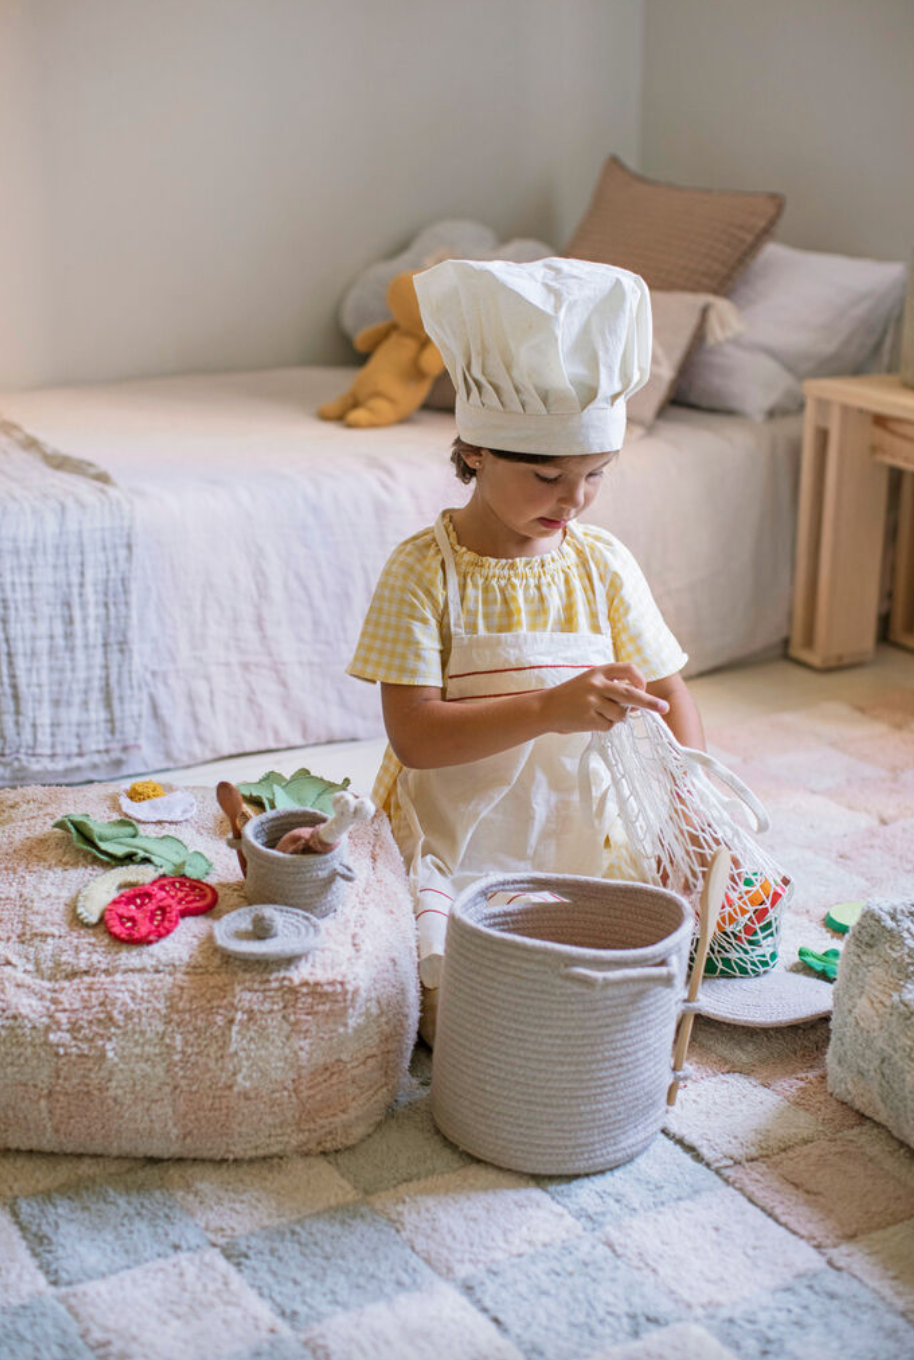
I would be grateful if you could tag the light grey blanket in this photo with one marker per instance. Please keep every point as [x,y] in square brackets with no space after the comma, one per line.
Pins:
[70,693]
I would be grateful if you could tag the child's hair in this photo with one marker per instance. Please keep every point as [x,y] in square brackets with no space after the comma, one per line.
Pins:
[466,473]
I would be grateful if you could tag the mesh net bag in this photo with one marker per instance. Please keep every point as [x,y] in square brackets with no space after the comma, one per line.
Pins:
[675,815]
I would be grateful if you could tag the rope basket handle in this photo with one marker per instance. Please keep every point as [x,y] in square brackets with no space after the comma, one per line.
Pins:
[594,751]
[733,781]
[595,977]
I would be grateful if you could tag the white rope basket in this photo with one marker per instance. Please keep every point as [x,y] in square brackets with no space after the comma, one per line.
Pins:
[675,818]
[312,883]
[556,1020]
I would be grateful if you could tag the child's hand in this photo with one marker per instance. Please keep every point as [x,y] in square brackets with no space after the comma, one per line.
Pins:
[598,699]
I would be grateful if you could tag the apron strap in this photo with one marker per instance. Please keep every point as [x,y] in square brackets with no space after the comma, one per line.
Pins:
[598,591]
[455,613]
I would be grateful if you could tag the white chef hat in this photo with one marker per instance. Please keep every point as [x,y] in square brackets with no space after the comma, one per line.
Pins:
[542,355]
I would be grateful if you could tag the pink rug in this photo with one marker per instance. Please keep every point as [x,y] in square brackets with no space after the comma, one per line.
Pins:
[768,1221]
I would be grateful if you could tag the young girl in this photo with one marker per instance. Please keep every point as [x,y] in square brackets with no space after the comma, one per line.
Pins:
[508,632]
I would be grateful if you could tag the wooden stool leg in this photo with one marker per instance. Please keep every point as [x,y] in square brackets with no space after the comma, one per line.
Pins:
[901,620]
[840,537]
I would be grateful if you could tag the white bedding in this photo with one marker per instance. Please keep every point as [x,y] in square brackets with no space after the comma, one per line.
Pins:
[260,531]
[70,690]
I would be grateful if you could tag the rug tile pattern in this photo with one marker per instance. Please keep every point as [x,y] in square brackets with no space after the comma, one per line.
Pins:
[767,1222]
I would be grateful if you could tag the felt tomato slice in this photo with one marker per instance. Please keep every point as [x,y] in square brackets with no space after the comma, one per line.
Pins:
[190,895]
[141,916]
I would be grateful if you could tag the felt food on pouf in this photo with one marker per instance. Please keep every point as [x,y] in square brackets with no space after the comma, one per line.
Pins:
[95,896]
[149,913]
[141,916]
[147,800]
[403,365]
[120,842]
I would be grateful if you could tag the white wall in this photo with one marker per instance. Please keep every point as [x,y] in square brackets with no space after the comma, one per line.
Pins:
[811,97]
[191,184]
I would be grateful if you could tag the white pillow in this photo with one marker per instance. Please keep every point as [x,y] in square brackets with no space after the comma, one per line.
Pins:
[807,315]
[365,300]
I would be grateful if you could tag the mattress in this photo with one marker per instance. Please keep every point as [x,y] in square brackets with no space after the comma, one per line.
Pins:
[260,531]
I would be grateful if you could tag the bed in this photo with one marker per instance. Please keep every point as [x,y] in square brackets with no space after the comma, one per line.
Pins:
[241,538]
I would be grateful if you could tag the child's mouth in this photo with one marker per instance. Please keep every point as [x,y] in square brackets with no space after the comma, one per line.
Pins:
[552,524]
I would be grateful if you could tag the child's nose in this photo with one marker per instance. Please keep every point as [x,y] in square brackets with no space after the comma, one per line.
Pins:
[573,498]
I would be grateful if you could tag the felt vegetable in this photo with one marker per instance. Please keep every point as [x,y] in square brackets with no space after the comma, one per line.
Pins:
[95,896]
[191,897]
[825,963]
[120,840]
[843,915]
[145,914]
[301,789]
[141,916]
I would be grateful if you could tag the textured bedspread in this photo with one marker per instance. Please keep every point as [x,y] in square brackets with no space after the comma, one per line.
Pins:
[70,692]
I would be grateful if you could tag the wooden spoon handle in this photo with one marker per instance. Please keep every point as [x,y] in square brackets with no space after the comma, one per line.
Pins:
[232,804]
[712,898]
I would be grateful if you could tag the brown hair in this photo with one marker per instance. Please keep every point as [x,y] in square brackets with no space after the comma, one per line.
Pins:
[466,473]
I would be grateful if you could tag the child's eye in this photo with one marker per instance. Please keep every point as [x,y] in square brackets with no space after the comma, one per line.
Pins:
[595,475]
[550,481]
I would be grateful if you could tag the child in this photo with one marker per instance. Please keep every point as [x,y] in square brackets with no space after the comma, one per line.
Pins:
[507,633]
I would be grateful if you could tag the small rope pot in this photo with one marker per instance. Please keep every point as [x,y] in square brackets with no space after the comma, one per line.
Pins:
[556,1021]
[313,883]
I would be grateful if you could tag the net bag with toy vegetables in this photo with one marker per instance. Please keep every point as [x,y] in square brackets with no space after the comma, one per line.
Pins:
[675,816]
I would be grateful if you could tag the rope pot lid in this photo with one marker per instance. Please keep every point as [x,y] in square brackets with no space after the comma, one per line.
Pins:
[267,933]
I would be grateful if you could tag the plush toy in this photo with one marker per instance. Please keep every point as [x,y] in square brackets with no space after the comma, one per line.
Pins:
[403,365]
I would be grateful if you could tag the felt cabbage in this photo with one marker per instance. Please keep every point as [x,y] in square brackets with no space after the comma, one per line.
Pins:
[121,840]
[301,789]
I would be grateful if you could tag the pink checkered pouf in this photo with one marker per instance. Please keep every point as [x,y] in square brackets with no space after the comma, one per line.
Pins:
[176,1049]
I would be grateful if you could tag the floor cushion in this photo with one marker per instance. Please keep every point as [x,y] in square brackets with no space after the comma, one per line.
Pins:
[870,1060]
[176,1049]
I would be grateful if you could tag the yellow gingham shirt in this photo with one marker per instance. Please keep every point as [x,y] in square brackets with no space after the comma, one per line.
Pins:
[405,639]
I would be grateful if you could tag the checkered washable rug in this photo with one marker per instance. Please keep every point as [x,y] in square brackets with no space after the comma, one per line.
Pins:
[767,1221]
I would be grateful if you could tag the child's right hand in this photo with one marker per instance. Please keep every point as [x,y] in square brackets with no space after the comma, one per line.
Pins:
[598,699]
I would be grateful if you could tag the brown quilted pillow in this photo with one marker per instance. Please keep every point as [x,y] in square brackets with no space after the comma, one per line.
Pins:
[678,240]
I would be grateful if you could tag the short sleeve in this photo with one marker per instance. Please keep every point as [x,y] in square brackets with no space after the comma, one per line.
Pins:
[639,630]
[400,642]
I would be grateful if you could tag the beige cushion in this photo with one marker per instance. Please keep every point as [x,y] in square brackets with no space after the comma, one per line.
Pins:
[677,239]
[678,322]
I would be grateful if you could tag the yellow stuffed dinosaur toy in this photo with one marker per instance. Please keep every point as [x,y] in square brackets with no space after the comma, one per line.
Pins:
[403,365]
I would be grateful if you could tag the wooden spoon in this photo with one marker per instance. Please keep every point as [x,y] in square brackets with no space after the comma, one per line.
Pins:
[232,804]
[712,898]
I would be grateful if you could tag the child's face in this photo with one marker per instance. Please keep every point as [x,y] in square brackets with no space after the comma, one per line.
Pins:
[533,500]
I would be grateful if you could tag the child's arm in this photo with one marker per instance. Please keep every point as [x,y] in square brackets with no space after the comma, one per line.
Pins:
[683,718]
[428,732]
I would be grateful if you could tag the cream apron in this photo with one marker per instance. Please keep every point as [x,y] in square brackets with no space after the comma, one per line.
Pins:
[517,810]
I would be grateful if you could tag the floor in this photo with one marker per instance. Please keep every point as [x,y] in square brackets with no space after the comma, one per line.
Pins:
[772,686]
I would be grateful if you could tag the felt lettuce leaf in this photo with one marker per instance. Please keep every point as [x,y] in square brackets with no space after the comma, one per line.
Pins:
[301,789]
[121,841]
[825,962]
